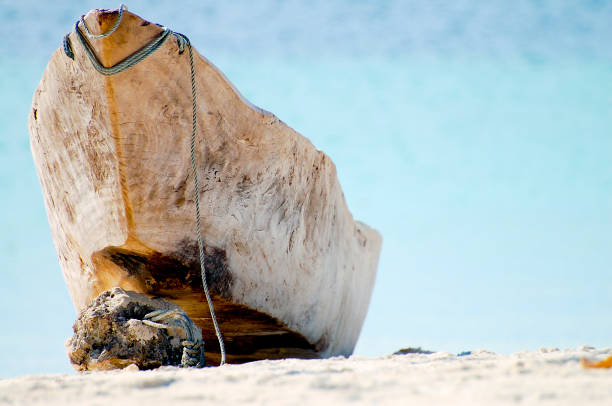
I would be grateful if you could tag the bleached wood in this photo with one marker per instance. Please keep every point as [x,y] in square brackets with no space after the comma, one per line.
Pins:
[112,154]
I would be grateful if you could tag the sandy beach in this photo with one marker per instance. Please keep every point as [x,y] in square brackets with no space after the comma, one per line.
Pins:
[548,376]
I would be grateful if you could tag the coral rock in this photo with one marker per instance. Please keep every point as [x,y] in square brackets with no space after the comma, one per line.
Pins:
[110,334]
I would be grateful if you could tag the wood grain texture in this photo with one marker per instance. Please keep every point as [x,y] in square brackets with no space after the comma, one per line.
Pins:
[112,153]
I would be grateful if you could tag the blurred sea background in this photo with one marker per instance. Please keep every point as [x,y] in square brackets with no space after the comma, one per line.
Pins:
[475,136]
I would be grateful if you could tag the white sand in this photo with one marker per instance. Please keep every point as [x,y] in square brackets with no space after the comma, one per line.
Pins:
[482,378]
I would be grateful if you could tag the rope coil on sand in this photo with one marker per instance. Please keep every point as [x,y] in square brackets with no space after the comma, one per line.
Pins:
[125,64]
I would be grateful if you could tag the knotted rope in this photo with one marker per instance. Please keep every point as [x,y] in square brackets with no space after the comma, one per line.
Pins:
[193,348]
[127,63]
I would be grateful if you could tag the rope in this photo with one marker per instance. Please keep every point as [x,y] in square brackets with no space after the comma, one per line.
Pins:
[109,32]
[127,63]
[68,47]
[197,195]
[193,348]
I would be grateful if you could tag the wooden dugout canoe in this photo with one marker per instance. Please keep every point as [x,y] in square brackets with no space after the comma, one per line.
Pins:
[291,273]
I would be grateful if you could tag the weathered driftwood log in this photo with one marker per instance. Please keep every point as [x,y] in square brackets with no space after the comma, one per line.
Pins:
[291,272]
[110,333]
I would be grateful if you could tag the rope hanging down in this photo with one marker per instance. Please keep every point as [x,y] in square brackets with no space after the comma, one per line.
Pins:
[127,63]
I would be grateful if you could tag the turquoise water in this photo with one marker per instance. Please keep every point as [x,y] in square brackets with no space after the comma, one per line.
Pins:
[476,138]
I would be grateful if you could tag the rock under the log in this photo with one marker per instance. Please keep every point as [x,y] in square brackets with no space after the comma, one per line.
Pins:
[110,334]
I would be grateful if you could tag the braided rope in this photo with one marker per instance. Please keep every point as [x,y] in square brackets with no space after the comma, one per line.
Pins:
[68,47]
[127,63]
[109,32]
[197,198]
[193,348]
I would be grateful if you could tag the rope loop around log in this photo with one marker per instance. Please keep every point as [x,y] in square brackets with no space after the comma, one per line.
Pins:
[126,63]
[135,58]
[122,7]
